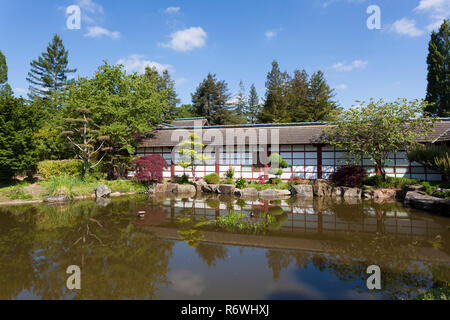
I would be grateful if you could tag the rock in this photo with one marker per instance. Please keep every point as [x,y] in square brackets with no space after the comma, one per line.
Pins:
[321,188]
[102,202]
[421,200]
[171,187]
[199,185]
[351,192]
[337,192]
[302,190]
[211,188]
[238,193]
[160,188]
[413,187]
[274,194]
[284,193]
[249,192]
[102,191]
[115,194]
[56,199]
[186,189]
[368,194]
[226,189]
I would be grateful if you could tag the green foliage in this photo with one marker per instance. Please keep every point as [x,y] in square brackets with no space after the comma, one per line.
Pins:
[64,185]
[297,99]
[379,128]
[123,107]
[432,156]
[277,164]
[212,178]
[240,222]
[48,74]
[18,122]
[211,100]
[253,108]
[230,173]
[378,182]
[184,179]
[3,69]
[191,153]
[241,183]
[17,192]
[438,60]
[50,168]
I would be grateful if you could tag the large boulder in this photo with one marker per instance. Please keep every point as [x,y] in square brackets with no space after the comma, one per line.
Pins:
[102,191]
[421,200]
[226,188]
[413,187]
[302,190]
[249,192]
[321,188]
[354,193]
[186,189]
[160,187]
[199,185]
[210,188]
[268,193]
[172,187]
[337,192]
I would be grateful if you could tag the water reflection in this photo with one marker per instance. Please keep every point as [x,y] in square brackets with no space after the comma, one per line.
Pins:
[126,249]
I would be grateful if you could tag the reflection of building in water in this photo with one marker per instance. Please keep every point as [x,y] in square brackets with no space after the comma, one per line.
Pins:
[318,217]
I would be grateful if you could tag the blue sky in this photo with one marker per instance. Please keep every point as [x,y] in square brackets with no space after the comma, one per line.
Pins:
[236,39]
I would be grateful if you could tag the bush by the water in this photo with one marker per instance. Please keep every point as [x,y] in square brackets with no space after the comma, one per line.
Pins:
[50,168]
[241,183]
[212,178]
[432,156]
[378,182]
[349,176]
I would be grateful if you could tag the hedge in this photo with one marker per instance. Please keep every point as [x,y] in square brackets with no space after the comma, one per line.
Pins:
[50,168]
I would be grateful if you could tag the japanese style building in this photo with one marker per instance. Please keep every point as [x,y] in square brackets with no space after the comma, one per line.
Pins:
[300,144]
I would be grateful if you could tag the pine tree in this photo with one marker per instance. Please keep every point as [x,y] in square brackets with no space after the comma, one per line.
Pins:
[48,74]
[3,69]
[438,60]
[253,106]
[241,100]
[275,106]
[210,100]
[320,107]
[299,96]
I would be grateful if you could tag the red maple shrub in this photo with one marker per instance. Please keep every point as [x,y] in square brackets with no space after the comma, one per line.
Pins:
[348,176]
[150,168]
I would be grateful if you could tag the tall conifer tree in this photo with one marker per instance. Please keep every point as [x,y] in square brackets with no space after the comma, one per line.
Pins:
[438,60]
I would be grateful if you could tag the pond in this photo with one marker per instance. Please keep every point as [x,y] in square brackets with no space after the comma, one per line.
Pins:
[162,247]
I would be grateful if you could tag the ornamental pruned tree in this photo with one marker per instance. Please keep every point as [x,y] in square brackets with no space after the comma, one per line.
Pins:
[150,168]
[277,164]
[378,128]
[191,152]
[438,60]
[83,136]
[48,74]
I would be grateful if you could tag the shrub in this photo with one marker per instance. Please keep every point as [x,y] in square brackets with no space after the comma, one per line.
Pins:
[230,173]
[51,168]
[17,192]
[377,181]
[349,175]
[434,157]
[150,168]
[275,180]
[241,183]
[64,184]
[277,164]
[184,179]
[212,178]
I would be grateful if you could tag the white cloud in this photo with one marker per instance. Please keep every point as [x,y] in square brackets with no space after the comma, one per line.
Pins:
[138,63]
[20,90]
[356,64]
[272,33]
[406,27]
[187,39]
[90,10]
[180,81]
[188,283]
[95,32]
[342,86]
[171,10]
[437,11]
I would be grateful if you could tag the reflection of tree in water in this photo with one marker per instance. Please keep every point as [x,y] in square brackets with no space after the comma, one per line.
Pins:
[119,262]
[402,275]
[189,229]
[210,253]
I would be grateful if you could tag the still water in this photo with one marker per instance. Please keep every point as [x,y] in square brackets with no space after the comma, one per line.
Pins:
[171,248]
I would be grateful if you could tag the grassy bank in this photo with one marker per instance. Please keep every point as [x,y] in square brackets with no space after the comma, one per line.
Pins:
[63,184]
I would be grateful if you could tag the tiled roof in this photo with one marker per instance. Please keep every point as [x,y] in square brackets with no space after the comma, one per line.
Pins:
[291,133]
